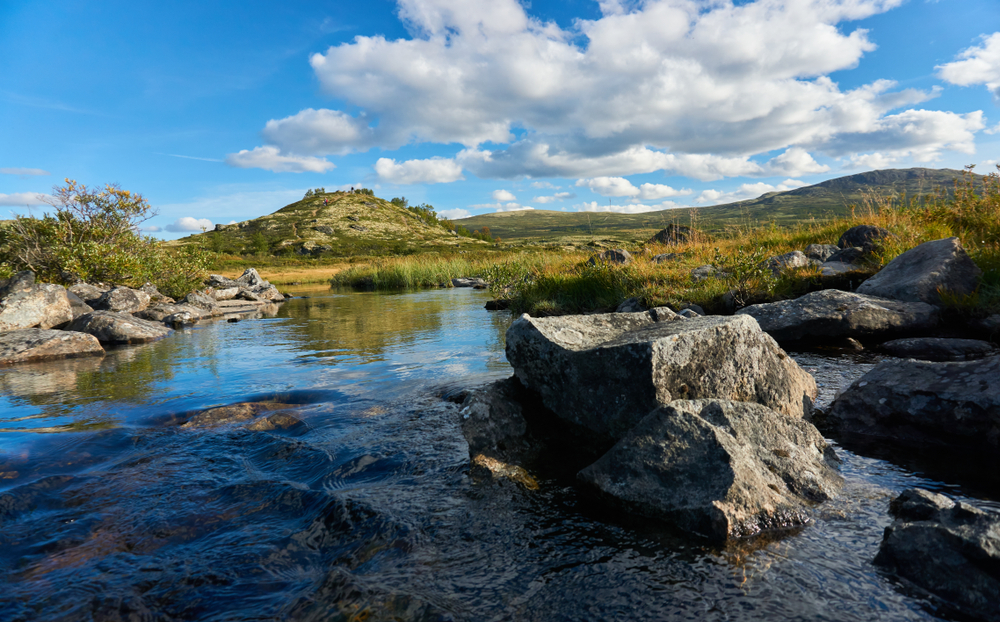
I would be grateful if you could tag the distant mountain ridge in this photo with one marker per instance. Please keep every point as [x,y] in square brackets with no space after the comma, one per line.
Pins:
[824,200]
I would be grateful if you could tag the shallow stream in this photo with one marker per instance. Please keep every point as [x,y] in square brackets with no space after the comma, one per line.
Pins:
[111,511]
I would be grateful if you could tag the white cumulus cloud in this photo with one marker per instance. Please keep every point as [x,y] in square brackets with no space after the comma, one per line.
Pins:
[594,206]
[430,171]
[746,191]
[23,198]
[977,65]
[503,195]
[271,159]
[188,223]
[552,198]
[454,214]
[621,187]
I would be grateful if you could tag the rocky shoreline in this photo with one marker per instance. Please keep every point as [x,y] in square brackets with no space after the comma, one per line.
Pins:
[43,322]
[706,424]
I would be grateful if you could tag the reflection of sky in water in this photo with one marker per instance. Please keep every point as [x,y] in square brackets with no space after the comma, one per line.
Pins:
[370,346]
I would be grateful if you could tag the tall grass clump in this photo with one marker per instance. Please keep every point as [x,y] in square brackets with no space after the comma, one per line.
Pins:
[418,271]
[93,235]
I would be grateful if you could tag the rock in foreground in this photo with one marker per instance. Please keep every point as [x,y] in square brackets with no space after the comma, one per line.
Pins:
[31,345]
[925,404]
[606,372]
[949,549]
[831,313]
[718,468]
[493,423]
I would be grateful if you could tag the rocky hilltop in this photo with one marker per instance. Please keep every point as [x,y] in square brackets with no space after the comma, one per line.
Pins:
[336,223]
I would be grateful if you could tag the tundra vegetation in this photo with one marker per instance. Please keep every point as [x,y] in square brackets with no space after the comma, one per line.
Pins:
[552,282]
[93,235]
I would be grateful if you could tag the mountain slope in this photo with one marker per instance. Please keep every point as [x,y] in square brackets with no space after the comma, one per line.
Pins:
[825,200]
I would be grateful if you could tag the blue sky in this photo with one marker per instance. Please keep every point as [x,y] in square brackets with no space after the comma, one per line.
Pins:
[224,111]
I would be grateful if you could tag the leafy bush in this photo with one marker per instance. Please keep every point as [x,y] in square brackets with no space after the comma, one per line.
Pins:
[93,236]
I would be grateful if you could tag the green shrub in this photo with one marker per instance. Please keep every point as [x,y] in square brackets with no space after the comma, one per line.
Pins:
[93,236]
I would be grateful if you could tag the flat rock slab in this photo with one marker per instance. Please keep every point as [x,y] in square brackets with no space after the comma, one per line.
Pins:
[469,282]
[921,272]
[939,349]
[163,310]
[36,306]
[831,313]
[606,372]
[111,327]
[921,403]
[31,345]
[719,469]
[949,549]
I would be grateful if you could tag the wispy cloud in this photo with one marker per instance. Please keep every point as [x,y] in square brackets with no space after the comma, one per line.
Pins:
[24,172]
[187,157]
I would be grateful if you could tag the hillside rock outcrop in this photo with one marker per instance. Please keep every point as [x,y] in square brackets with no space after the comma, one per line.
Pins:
[921,272]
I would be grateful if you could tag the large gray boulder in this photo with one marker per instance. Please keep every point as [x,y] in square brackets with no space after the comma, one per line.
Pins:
[718,468]
[918,274]
[864,236]
[673,234]
[78,306]
[949,549]
[218,281]
[831,313]
[111,327]
[38,306]
[251,280]
[923,403]
[122,299]
[605,372]
[30,345]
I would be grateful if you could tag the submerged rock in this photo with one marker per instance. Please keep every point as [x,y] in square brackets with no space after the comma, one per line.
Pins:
[111,327]
[923,403]
[831,313]
[238,413]
[939,349]
[919,274]
[41,306]
[718,468]
[606,372]
[949,549]
[31,345]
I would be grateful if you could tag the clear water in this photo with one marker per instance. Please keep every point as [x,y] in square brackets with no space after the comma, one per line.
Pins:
[110,511]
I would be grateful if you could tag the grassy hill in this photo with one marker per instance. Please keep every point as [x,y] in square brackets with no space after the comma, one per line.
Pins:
[349,224]
[821,201]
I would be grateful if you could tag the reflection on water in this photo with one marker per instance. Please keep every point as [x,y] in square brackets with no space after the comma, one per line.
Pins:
[367,511]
